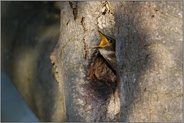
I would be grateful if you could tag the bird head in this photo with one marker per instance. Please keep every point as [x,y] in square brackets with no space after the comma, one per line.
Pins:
[105,42]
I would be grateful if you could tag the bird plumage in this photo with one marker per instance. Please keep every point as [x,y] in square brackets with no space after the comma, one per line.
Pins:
[107,50]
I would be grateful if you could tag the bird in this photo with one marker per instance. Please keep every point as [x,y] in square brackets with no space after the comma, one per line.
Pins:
[107,50]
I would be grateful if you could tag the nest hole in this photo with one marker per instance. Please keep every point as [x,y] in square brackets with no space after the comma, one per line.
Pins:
[102,78]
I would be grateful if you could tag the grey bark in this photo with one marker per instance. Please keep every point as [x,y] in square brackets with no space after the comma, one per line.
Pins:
[149,54]
[79,24]
[149,48]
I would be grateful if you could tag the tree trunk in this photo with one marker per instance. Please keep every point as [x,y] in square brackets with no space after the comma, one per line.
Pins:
[148,49]
[79,85]
[87,98]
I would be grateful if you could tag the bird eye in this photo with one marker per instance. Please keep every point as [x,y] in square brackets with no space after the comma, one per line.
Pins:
[110,41]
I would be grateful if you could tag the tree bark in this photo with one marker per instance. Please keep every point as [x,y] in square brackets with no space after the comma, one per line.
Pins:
[148,49]
[77,84]
[87,98]
[149,52]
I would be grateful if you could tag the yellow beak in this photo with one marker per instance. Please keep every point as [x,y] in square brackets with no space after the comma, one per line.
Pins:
[104,42]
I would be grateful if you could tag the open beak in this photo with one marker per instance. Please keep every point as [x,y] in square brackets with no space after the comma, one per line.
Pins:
[104,42]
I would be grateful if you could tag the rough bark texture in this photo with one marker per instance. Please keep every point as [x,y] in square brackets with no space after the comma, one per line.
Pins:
[148,82]
[86,100]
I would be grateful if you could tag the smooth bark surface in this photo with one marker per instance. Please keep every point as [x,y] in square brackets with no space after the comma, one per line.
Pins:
[149,50]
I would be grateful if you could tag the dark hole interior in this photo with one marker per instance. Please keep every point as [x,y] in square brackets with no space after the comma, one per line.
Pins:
[102,78]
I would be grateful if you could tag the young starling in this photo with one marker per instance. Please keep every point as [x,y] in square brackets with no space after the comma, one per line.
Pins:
[107,50]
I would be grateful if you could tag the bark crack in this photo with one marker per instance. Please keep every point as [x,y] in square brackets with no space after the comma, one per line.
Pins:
[83,24]
[74,5]
[86,49]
